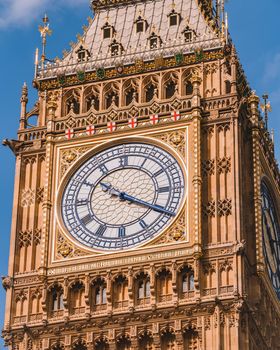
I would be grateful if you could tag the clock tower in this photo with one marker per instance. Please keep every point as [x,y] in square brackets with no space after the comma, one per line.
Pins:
[147,194]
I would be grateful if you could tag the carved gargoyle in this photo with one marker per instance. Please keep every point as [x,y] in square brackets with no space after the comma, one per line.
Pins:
[14,145]
[7,282]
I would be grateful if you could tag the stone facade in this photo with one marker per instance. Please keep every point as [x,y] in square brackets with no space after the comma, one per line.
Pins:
[202,284]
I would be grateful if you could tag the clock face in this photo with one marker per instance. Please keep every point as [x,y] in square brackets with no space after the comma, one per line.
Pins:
[271,238]
[123,196]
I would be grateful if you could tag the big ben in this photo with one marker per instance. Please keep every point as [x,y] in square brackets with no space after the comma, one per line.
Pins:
[147,195]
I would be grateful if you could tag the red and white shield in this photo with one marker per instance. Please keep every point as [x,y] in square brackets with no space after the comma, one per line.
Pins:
[132,123]
[154,119]
[90,130]
[69,134]
[111,126]
[175,116]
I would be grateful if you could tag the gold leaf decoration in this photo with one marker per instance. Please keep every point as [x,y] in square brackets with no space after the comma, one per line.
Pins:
[66,249]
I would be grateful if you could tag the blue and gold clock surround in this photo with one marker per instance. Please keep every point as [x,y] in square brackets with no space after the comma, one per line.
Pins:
[122,195]
[271,237]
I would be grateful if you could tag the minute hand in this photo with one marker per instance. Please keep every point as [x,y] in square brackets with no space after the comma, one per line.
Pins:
[126,197]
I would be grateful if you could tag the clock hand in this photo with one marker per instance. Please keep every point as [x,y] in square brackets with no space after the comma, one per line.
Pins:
[125,197]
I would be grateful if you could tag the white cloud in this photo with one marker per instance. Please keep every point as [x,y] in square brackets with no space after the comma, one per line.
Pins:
[23,12]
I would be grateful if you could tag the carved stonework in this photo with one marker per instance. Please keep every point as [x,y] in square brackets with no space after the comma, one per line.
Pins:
[66,249]
[40,194]
[177,233]
[68,157]
[176,140]
[224,165]
[209,209]
[208,167]
[25,238]
[27,197]
[224,207]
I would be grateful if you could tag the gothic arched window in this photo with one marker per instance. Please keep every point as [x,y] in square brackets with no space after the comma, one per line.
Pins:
[92,102]
[120,292]
[189,88]
[150,92]
[164,286]
[130,95]
[227,87]
[99,295]
[143,289]
[57,299]
[111,98]
[170,89]
[73,106]
[187,282]
[77,301]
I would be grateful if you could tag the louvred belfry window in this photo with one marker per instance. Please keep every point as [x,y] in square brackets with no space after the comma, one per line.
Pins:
[174,18]
[141,25]
[188,34]
[108,31]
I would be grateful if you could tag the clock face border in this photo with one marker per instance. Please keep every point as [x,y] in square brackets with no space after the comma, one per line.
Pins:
[266,216]
[182,161]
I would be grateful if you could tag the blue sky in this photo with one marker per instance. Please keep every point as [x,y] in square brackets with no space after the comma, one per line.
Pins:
[254,27]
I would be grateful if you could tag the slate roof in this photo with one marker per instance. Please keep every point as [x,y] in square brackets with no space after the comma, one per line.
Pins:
[135,45]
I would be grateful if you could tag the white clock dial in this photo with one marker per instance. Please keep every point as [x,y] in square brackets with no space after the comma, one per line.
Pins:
[123,196]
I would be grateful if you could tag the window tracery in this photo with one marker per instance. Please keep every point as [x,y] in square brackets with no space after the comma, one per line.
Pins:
[77,300]
[164,286]
[120,290]
[143,289]
[99,294]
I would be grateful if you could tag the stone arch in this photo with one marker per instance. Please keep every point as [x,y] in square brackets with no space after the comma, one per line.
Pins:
[185,281]
[98,293]
[55,299]
[71,102]
[168,338]
[120,291]
[91,98]
[146,340]
[149,88]
[190,337]
[79,344]
[164,290]
[142,288]
[101,343]
[123,341]
[170,81]
[187,87]
[130,92]
[111,95]
[76,297]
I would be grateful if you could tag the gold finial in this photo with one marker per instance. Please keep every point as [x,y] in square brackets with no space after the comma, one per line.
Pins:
[45,31]
[266,108]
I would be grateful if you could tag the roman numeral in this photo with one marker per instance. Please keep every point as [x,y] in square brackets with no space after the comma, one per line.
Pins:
[82,202]
[122,231]
[87,183]
[164,189]
[143,224]
[103,168]
[159,172]
[100,231]
[124,161]
[87,219]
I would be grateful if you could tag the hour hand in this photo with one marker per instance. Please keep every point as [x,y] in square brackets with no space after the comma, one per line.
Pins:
[125,197]
[110,189]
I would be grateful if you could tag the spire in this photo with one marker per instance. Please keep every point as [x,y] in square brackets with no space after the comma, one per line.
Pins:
[23,101]
[45,31]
